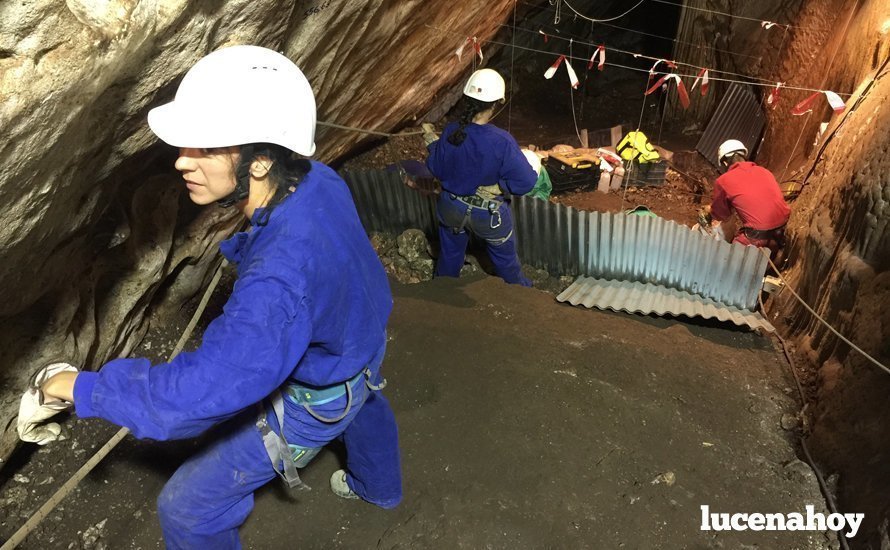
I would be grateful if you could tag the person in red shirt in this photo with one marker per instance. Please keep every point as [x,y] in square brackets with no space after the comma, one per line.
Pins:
[753,192]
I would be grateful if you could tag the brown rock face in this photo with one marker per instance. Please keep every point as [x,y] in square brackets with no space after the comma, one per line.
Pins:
[840,243]
[95,232]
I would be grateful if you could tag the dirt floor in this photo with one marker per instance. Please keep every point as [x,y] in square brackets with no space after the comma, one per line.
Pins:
[524,423]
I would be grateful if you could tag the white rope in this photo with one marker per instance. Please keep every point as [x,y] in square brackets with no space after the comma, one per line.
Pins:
[602,20]
[94,460]
[512,75]
[366,131]
[637,69]
[572,96]
[821,320]
[651,58]
[721,13]
[674,40]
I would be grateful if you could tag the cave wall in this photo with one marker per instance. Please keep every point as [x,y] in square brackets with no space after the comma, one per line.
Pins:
[839,232]
[730,44]
[839,251]
[96,233]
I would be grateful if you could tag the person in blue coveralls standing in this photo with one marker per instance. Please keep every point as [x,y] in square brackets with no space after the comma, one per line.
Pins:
[294,360]
[479,166]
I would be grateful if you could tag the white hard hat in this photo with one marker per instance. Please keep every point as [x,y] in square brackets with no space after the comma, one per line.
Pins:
[731,146]
[240,95]
[533,159]
[485,85]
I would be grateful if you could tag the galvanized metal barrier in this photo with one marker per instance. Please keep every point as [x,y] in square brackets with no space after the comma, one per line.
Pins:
[740,117]
[565,241]
[618,246]
[387,205]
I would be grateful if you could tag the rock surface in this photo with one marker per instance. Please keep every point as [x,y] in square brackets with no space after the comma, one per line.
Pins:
[95,232]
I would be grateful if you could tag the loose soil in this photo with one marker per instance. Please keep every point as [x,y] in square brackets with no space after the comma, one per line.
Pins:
[524,423]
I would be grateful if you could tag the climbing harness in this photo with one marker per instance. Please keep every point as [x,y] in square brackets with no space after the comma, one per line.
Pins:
[292,456]
[277,448]
[492,206]
[494,210]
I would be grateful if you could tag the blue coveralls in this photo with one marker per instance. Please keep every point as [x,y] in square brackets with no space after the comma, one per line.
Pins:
[487,156]
[310,306]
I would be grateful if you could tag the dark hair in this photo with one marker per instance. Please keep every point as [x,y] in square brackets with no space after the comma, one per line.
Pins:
[285,173]
[472,107]
[733,158]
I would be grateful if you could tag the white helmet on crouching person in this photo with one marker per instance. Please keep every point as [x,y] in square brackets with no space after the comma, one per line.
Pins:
[486,85]
[239,96]
[729,148]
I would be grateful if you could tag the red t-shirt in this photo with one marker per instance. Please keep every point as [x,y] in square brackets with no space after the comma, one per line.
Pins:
[754,194]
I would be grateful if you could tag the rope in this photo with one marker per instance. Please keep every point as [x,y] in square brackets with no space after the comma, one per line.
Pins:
[572,97]
[582,16]
[721,13]
[796,143]
[366,131]
[78,476]
[678,41]
[821,320]
[764,85]
[628,173]
[674,40]
[512,74]
[652,58]
[829,498]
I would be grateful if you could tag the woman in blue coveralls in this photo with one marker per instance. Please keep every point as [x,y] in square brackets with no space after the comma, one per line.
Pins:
[306,319]
[479,166]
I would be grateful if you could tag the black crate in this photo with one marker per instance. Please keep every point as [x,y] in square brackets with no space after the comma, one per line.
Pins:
[644,173]
[565,178]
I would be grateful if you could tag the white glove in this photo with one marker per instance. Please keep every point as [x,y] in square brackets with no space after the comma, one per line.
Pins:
[429,134]
[33,409]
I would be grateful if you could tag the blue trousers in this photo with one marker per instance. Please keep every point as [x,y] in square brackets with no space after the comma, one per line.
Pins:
[457,219]
[211,494]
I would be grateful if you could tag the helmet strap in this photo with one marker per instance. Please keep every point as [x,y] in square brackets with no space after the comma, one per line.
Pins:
[242,180]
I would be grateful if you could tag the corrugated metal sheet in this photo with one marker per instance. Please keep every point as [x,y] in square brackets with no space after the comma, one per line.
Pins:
[566,241]
[386,204]
[645,298]
[740,117]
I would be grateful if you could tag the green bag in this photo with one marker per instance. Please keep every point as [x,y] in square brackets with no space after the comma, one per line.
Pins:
[543,187]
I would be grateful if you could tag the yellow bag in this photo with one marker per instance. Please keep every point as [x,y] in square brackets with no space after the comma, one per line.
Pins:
[636,146]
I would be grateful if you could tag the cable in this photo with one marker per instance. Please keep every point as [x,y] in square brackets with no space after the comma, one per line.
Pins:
[512,75]
[678,41]
[720,13]
[815,29]
[796,143]
[81,473]
[829,498]
[365,131]
[674,40]
[652,58]
[582,16]
[819,317]
[764,85]
[572,96]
